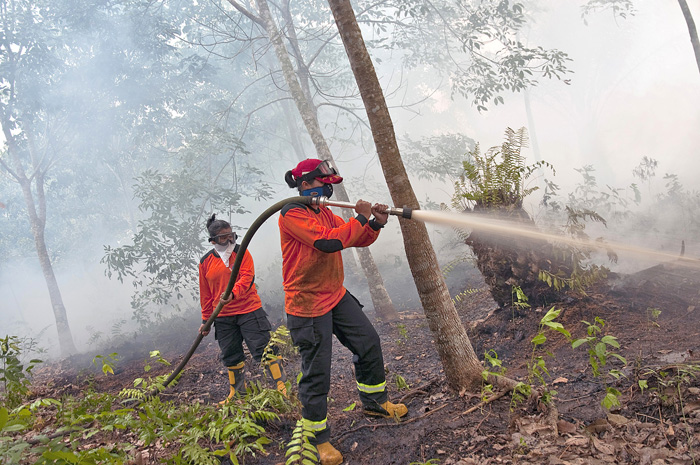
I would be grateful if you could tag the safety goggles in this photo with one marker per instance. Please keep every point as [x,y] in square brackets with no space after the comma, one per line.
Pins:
[325,168]
[221,237]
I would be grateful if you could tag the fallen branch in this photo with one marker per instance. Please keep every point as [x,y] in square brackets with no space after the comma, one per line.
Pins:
[398,423]
[486,402]
[411,394]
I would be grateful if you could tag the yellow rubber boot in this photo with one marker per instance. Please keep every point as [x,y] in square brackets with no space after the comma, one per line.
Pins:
[236,378]
[329,455]
[276,371]
[387,410]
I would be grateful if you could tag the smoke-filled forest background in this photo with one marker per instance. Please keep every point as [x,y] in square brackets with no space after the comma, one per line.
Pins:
[126,124]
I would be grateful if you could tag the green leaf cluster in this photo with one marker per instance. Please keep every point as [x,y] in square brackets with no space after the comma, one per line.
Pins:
[497,178]
[195,429]
[14,374]
[598,347]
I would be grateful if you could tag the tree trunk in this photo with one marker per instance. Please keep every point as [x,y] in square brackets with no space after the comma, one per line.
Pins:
[691,29]
[380,298]
[462,367]
[37,221]
[531,126]
[293,130]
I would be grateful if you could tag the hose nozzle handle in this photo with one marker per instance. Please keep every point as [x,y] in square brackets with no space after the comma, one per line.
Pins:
[322,201]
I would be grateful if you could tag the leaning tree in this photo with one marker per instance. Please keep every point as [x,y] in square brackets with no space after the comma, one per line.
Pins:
[462,366]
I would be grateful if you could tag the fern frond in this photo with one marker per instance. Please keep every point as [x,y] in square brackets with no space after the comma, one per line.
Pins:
[489,182]
[300,451]
[467,292]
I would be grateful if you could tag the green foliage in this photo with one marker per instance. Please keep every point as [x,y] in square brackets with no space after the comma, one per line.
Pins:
[190,427]
[173,229]
[486,38]
[143,387]
[300,451]
[518,298]
[488,182]
[670,383]
[429,462]
[14,375]
[465,293]
[580,272]
[436,157]
[154,356]
[400,381]
[579,280]
[493,366]
[403,333]
[598,356]
[537,367]
[261,398]
[653,316]
[280,344]
[494,363]
[598,346]
[612,201]
[619,8]
[107,362]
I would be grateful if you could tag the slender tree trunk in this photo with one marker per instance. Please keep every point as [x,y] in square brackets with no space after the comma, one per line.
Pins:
[462,367]
[380,298]
[531,126]
[691,29]
[36,210]
[293,131]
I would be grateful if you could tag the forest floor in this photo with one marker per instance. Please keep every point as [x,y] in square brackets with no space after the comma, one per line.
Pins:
[653,314]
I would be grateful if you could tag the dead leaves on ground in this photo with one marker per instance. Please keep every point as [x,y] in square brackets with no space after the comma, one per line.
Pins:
[611,440]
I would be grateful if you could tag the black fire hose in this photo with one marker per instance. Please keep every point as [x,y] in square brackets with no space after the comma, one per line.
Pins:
[305,200]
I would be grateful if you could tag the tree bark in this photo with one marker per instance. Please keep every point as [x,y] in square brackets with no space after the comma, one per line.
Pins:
[691,29]
[462,367]
[36,210]
[383,305]
[531,126]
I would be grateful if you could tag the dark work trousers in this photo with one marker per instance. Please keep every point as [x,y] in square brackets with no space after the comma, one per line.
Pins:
[231,331]
[314,337]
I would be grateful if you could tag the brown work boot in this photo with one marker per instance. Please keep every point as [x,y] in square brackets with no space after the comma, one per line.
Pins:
[328,454]
[386,410]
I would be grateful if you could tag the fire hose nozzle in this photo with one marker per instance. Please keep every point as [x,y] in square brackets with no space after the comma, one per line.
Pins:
[404,212]
[326,202]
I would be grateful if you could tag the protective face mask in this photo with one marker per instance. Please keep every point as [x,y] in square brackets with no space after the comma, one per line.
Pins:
[224,251]
[326,191]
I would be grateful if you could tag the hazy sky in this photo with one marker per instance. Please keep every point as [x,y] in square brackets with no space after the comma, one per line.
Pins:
[635,92]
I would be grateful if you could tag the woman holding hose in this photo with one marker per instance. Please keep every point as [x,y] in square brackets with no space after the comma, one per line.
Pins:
[242,317]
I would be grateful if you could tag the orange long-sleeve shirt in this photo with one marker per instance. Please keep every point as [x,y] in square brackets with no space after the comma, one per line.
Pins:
[213,279]
[312,266]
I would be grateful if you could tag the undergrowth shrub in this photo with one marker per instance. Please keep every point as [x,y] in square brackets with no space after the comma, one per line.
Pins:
[236,430]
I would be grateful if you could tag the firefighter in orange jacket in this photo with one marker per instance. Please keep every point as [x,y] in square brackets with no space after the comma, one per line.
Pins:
[242,316]
[318,306]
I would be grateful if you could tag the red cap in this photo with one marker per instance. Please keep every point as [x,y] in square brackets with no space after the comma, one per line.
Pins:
[310,164]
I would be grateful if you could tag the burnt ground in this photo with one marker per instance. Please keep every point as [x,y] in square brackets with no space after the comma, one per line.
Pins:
[660,424]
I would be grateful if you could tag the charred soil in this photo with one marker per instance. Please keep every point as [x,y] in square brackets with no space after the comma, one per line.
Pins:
[653,314]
